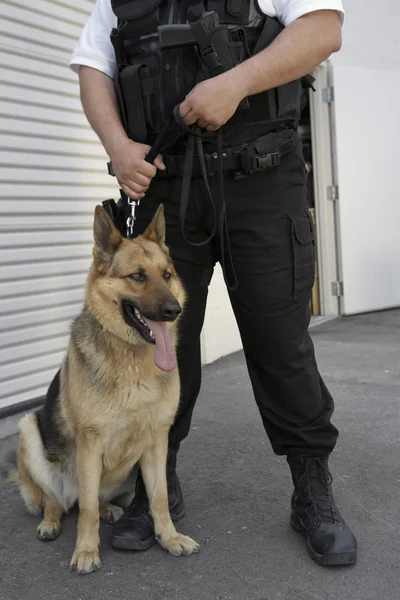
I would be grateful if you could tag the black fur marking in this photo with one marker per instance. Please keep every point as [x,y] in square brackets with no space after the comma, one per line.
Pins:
[89,338]
[46,416]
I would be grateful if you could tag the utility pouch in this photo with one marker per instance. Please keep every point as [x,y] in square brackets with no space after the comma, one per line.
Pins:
[128,88]
[213,42]
[142,15]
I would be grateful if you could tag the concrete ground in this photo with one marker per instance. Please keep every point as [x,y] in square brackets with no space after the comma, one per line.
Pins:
[237,495]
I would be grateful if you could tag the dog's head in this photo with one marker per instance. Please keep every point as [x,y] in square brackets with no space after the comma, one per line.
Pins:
[133,288]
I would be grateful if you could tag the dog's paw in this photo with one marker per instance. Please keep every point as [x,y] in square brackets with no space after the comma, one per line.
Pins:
[110,513]
[48,530]
[84,562]
[179,544]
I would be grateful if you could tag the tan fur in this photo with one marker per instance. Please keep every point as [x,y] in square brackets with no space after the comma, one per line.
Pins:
[115,406]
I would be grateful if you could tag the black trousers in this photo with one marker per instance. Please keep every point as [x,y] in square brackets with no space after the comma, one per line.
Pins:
[273,251]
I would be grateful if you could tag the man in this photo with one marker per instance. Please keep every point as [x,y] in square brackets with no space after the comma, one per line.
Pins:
[266,239]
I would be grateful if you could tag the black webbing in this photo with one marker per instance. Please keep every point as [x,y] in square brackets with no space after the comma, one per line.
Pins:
[171,132]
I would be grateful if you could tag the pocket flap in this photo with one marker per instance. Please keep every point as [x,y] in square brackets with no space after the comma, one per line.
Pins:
[273,141]
[302,226]
[127,10]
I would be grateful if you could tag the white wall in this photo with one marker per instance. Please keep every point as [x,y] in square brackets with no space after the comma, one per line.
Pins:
[220,333]
[370,35]
[366,79]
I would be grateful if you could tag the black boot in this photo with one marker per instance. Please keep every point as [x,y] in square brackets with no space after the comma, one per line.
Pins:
[135,529]
[315,514]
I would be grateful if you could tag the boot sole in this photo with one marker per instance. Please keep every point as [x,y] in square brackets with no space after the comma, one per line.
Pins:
[326,560]
[121,543]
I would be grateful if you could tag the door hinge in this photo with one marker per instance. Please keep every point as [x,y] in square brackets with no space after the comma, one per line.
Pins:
[337,288]
[333,192]
[327,95]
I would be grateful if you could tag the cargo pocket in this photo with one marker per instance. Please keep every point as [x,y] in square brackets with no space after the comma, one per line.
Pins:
[303,250]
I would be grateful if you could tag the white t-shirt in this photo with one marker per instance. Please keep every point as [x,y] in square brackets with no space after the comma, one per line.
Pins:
[94,48]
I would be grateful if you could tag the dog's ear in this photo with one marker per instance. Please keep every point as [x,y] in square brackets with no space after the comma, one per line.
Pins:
[156,230]
[107,237]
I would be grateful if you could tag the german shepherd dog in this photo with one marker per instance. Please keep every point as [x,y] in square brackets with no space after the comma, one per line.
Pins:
[119,393]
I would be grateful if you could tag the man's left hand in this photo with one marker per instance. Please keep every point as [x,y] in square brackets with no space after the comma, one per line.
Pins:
[212,102]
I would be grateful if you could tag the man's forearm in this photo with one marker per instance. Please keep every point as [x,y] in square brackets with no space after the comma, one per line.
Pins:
[100,106]
[300,47]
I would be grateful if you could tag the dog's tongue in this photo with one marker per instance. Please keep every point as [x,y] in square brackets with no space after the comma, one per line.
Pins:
[164,356]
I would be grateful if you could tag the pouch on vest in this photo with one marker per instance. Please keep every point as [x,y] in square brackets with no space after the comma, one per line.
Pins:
[142,15]
[128,87]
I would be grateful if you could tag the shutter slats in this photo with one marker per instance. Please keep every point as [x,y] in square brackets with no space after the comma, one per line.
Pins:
[44,7]
[29,357]
[11,289]
[83,177]
[21,304]
[83,8]
[38,332]
[78,188]
[29,15]
[16,322]
[24,107]
[43,39]
[37,126]
[38,253]
[29,392]
[48,146]
[18,239]
[52,161]
[35,48]
[52,174]
[62,267]
[39,89]
[28,64]
[41,376]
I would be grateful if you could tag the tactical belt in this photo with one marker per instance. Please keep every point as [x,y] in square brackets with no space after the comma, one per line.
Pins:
[240,160]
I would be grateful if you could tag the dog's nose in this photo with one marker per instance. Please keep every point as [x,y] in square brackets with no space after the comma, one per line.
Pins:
[170,309]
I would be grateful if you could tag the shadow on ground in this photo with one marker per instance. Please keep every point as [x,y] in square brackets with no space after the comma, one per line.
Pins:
[237,495]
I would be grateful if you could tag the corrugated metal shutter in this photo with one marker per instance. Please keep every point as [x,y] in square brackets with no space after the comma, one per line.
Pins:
[52,174]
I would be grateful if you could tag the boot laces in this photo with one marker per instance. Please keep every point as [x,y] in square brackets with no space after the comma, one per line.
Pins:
[316,483]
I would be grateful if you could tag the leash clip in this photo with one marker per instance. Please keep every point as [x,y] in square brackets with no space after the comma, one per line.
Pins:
[130,222]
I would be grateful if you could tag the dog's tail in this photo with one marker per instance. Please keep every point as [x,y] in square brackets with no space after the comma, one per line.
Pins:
[8,465]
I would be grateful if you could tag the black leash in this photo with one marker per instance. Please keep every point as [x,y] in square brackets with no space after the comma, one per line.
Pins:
[195,137]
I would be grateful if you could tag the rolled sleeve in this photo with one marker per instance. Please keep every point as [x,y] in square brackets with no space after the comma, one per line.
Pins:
[94,48]
[287,11]
[298,8]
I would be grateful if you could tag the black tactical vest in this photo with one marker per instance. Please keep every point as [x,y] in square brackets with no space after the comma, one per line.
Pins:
[164,48]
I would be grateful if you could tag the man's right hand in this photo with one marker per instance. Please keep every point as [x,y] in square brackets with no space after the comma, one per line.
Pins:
[133,173]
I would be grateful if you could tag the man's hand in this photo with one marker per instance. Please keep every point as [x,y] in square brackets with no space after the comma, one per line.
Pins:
[300,47]
[133,173]
[212,102]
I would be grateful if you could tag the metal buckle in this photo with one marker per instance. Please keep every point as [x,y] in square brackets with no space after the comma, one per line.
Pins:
[210,58]
[130,222]
[268,160]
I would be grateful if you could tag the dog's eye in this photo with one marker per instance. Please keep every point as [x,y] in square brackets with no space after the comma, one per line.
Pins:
[167,275]
[139,276]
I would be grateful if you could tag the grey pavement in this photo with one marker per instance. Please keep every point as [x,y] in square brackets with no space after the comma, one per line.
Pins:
[237,495]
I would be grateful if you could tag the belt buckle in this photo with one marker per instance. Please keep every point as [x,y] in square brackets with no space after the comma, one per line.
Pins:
[267,160]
